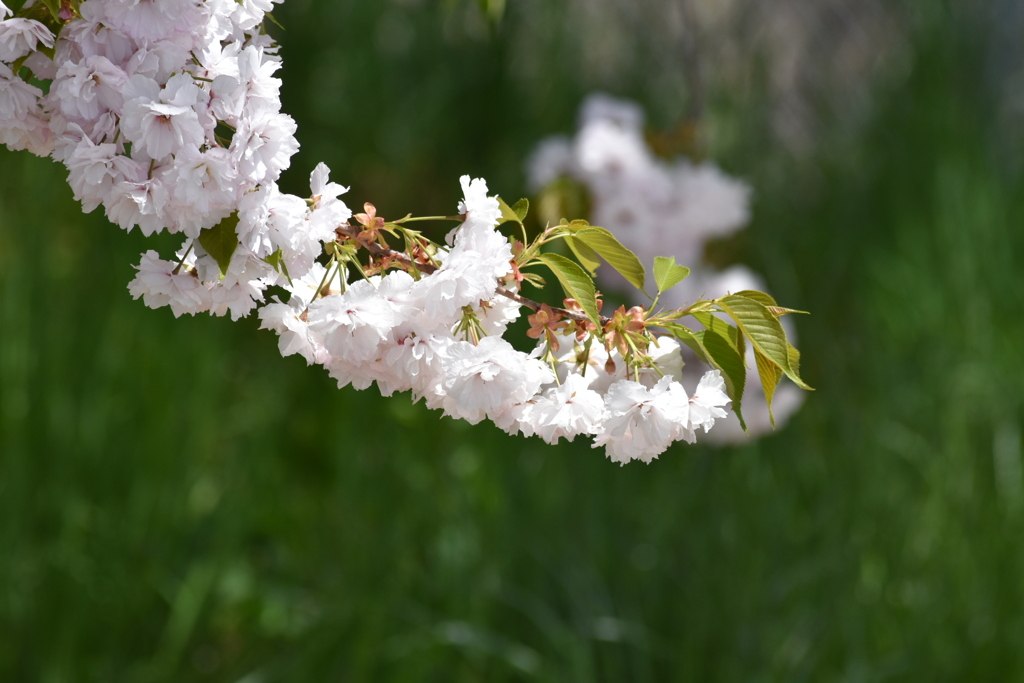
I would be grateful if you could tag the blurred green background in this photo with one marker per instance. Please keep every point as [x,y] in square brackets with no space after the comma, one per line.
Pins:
[179,503]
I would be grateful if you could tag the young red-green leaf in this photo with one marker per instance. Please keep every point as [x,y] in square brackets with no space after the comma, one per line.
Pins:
[771,375]
[764,330]
[611,250]
[575,282]
[667,274]
[221,241]
[584,254]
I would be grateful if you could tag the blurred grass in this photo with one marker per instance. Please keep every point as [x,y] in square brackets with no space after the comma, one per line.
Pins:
[178,503]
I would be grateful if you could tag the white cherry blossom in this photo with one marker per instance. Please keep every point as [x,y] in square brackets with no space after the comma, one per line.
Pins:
[640,423]
[18,37]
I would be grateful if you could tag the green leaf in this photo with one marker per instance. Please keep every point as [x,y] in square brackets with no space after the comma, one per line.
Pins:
[716,347]
[508,213]
[764,331]
[694,340]
[710,320]
[576,283]
[274,21]
[760,297]
[276,260]
[771,375]
[727,348]
[769,303]
[611,250]
[221,241]
[667,274]
[53,6]
[587,256]
[521,209]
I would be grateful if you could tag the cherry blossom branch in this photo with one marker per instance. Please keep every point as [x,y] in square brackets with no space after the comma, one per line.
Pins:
[379,251]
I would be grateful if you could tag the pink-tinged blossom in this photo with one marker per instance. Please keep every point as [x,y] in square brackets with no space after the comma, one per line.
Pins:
[353,324]
[567,410]
[242,286]
[328,211]
[227,99]
[152,20]
[479,258]
[270,220]
[119,205]
[416,361]
[256,78]
[157,60]
[220,59]
[86,89]
[4,11]
[91,172]
[515,419]
[162,122]
[290,320]
[249,13]
[707,401]
[496,314]
[295,336]
[668,358]
[640,423]
[139,197]
[483,378]
[477,207]
[41,66]
[206,190]
[92,35]
[458,283]
[17,98]
[18,37]
[264,145]
[162,283]
[345,372]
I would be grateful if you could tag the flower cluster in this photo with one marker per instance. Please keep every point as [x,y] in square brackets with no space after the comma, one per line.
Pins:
[655,206]
[166,113]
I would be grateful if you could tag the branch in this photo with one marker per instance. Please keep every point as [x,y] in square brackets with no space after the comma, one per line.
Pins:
[348,232]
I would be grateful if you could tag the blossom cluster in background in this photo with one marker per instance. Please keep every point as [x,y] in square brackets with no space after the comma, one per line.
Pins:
[661,207]
[167,114]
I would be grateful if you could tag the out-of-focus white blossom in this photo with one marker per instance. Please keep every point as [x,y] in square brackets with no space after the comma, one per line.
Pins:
[657,207]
